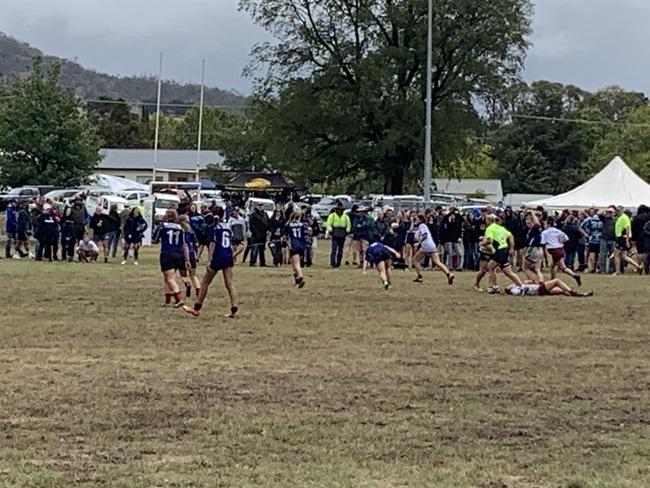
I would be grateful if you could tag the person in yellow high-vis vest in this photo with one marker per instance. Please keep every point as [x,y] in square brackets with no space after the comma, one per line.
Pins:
[338,226]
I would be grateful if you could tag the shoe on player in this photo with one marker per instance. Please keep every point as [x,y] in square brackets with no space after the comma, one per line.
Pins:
[419,279]
[191,311]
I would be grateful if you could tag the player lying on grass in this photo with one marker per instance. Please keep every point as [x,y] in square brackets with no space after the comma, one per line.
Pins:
[547,288]
[380,255]
[221,259]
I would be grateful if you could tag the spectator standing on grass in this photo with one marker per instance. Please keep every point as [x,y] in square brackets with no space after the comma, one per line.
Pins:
[239,232]
[11,226]
[623,233]
[34,214]
[23,231]
[99,225]
[259,226]
[638,239]
[67,235]
[47,234]
[575,233]
[312,237]
[79,217]
[113,227]
[593,227]
[276,228]
[607,241]
[338,226]
[451,237]
[471,235]
[134,228]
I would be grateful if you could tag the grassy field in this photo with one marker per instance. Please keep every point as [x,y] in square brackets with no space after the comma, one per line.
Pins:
[338,385]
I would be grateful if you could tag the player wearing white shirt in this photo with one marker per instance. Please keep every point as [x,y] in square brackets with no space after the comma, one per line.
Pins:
[428,249]
[554,239]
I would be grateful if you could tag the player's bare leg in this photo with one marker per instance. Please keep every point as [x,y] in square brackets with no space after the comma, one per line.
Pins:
[438,264]
[229,282]
[203,292]
[417,264]
[383,274]
[171,289]
[482,271]
[510,273]
[299,279]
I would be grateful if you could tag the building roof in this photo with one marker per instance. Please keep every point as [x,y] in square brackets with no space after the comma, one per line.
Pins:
[168,160]
[468,186]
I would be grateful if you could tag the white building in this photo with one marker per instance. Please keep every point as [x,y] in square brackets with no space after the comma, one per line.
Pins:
[173,165]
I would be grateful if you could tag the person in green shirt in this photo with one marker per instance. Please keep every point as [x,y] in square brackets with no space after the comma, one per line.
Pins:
[502,241]
[338,226]
[623,233]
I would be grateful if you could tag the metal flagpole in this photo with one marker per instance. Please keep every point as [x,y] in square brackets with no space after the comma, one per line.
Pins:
[198,144]
[427,150]
[155,147]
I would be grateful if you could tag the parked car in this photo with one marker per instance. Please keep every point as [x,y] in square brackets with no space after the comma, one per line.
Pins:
[21,194]
[268,205]
[63,195]
[134,196]
[326,204]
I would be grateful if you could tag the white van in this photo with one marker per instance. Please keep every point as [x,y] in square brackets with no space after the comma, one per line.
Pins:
[108,201]
[134,196]
[163,202]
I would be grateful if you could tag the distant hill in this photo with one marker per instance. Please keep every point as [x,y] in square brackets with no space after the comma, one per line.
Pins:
[16,57]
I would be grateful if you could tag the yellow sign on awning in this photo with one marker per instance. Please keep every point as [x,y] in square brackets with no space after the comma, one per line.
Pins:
[258,184]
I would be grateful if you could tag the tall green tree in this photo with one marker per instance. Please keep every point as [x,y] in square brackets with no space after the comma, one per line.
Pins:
[345,84]
[44,136]
[547,145]
[630,141]
[116,124]
[227,132]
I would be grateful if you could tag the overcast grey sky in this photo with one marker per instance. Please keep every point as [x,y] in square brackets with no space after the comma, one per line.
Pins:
[590,43]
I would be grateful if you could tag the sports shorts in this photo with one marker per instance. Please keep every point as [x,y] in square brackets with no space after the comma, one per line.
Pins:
[502,258]
[172,261]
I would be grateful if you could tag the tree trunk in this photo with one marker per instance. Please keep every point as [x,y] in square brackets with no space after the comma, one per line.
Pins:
[394,181]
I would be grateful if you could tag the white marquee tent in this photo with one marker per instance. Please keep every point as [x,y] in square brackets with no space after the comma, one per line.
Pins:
[116,184]
[616,184]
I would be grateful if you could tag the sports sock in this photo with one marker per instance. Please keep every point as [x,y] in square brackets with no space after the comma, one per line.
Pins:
[198,306]
[177,297]
[168,298]
[188,291]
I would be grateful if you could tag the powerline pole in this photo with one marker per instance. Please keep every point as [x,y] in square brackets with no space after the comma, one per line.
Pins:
[427,150]
[155,146]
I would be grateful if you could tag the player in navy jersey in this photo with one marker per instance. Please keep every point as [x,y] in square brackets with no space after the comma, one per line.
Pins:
[193,247]
[174,255]
[297,234]
[380,255]
[221,259]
